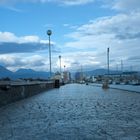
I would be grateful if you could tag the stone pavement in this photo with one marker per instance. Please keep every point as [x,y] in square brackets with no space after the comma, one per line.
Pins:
[73,112]
[131,88]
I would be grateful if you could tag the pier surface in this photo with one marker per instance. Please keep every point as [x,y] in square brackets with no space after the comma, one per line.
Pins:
[130,88]
[73,112]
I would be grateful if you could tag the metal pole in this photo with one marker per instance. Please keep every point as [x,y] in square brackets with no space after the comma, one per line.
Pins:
[50,57]
[108,59]
[117,67]
[60,62]
[122,66]
[49,32]
[81,73]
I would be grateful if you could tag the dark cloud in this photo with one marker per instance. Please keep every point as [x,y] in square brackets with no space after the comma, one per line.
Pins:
[23,48]
[128,36]
[134,58]
[112,60]
[75,63]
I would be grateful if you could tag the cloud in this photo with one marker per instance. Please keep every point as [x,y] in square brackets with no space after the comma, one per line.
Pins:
[14,9]
[10,43]
[134,58]
[128,36]
[29,47]
[88,42]
[11,37]
[74,60]
[75,2]
[21,48]
[114,4]
[126,5]
[14,62]
[119,32]
[120,25]
[65,2]
[17,1]
[122,5]
[7,59]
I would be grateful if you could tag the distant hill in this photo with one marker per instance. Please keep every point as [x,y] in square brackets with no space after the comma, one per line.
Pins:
[100,72]
[29,73]
[22,73]
[97,72]
[94,72]
[5,72]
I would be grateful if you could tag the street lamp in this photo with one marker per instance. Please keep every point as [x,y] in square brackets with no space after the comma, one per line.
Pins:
[108,60]
[64,68]
[49,32]
[60,62]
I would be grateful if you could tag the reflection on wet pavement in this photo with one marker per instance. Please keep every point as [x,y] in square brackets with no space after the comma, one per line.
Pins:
[73,112]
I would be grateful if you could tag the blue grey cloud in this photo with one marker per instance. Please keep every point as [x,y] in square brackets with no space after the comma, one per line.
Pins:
[134,58]
[128,36]
[10,47]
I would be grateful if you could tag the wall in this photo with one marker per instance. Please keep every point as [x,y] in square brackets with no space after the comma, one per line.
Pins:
[18,92]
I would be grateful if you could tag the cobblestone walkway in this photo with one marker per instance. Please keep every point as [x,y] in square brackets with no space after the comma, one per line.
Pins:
[73,112]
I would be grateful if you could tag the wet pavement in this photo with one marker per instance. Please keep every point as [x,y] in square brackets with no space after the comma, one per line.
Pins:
[73,112]
[131,88]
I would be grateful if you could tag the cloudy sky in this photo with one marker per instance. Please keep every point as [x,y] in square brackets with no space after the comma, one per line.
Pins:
[82,30]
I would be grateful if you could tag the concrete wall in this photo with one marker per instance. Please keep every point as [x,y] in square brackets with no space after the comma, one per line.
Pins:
[18,92]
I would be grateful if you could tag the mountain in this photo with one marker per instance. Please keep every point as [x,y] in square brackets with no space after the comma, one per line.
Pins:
[5,72]
[96,72]
[22,73]
[93,73]
[29,73]
[100,72]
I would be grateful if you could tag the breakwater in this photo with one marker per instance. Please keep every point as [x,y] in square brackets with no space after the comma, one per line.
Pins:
[16,91]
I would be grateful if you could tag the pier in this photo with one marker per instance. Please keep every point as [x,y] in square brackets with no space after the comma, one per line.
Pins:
[73,111]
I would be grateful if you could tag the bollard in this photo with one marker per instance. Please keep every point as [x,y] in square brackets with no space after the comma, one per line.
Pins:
[57,83]
[105,85]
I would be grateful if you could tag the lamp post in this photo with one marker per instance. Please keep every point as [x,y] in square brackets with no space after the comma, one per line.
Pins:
[122,66]
[105,84]
[49,32]
[60,63]
[64,68]
[108,60]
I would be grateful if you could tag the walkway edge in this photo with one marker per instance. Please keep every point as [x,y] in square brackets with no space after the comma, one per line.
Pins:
[118,88]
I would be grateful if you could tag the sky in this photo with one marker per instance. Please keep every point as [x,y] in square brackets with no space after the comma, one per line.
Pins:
[82,30]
